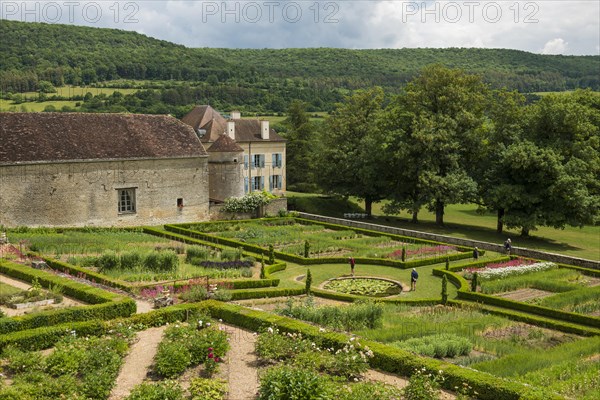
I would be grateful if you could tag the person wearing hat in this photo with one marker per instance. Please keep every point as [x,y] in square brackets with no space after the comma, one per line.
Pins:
[475,253]
[414,275]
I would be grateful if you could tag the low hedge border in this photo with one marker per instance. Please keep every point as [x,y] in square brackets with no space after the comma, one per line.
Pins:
[458,281]
[85,274]
[264,293]
[45,337]
[107,305]
[202,236]
[576,318]
[327,294]
[530,319]
[386,358]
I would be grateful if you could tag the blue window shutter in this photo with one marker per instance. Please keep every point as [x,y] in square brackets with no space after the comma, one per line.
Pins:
[271,182]
[274,160]
[246,185]
[246,162]
[262,182]
[280,182]
[262,160]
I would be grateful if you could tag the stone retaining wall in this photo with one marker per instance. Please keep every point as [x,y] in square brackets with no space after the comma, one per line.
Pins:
[519,251]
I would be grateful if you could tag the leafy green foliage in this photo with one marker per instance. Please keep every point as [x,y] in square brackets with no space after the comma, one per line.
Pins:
[444,289]
[423,386]
[164,390]
[308,282]
[364,286]
[248,202]
[288,383]
[359,315]
[439,346]
[207,389]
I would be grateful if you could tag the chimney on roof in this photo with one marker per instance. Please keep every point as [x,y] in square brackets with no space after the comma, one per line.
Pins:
[235,115]
[231,129]
[264,130]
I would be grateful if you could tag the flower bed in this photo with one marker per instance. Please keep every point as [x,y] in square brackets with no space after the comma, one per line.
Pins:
[364,286]
[509,268]
[421,251]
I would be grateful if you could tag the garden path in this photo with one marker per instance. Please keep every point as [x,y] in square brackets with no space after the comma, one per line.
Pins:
[525,294]
[399,382]
[242,364]
[137,362]
[11,312]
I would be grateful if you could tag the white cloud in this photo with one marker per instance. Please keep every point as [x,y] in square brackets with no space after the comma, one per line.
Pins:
[555,46]
[522,25]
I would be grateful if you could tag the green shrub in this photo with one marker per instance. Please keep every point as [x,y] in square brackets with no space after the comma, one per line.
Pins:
[444,289]
[131,260]
[474,282]
[308,281]
[289,383]
[197,252]
[18,361]
[172,359]
[194,294]
[165,390]
[423,386]
[368,391]
[207,389]
[439,346]
[223,295]
[107,261]
[66,358]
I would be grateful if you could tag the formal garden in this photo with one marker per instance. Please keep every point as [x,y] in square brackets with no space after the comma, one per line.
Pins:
[269,309]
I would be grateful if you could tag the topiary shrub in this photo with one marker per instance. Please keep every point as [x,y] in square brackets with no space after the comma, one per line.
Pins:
[474,282]
[444,289]
[308,281]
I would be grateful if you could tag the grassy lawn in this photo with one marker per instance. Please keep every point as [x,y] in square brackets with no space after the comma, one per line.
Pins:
[7,105]
[70,91]
[464,221]
[428,286]
[7,290]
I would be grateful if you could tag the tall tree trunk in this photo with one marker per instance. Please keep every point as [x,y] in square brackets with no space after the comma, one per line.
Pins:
[414,217]
[524,231]
[439,212]
[368,205]
[500,225]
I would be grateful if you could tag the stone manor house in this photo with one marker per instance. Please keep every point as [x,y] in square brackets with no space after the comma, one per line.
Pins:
[79,169]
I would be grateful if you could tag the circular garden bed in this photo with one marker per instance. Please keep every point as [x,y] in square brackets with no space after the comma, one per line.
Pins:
[364,286]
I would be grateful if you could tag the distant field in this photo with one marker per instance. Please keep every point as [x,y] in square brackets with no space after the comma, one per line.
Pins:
[7,105]
[70,91]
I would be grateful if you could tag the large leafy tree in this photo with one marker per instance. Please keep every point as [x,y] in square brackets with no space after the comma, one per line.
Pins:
[506,112]
[549,172]
[349,162]
[439,137]
[300,146]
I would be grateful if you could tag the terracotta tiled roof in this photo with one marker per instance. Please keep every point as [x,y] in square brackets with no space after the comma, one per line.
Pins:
[225,144]
[205,117]
[42,137]
[247,130]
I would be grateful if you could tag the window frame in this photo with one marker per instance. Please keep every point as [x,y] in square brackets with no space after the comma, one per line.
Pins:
[124,205]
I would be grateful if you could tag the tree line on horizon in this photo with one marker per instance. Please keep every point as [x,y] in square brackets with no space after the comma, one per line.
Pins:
[265,79]
[450,138]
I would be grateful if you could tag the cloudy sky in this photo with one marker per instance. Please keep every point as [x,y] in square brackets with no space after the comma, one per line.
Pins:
[542,26]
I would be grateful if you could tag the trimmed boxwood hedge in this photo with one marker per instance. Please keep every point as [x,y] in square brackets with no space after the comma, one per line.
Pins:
[581,319]
[562,326]
[262,293]
[386,358]
[89,275]
[105,305]
[327,294]
[202,236]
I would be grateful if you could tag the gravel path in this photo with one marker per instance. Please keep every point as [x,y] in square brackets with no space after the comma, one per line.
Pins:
[242,364]
[137,362]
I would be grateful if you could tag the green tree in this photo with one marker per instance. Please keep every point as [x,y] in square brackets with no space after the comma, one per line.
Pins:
[444,289]
[300,146]
[349,161]
[308,281]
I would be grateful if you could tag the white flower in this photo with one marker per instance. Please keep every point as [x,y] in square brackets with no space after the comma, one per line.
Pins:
[270,330]
[208,324]
[321,330]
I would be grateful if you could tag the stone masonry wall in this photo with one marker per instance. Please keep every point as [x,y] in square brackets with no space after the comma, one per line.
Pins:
[86,193]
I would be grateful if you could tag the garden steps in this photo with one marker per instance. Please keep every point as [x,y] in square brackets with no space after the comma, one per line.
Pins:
[560,325]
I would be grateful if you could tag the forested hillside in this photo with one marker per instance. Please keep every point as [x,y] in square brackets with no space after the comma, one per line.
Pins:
[265,78]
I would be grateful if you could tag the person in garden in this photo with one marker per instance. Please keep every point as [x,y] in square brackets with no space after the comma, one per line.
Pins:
[475,253]
[507,246]
[352,263]
[414,275]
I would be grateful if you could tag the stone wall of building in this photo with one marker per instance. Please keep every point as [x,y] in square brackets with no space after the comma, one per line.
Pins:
[225,175]
[86,193]
[518,251]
